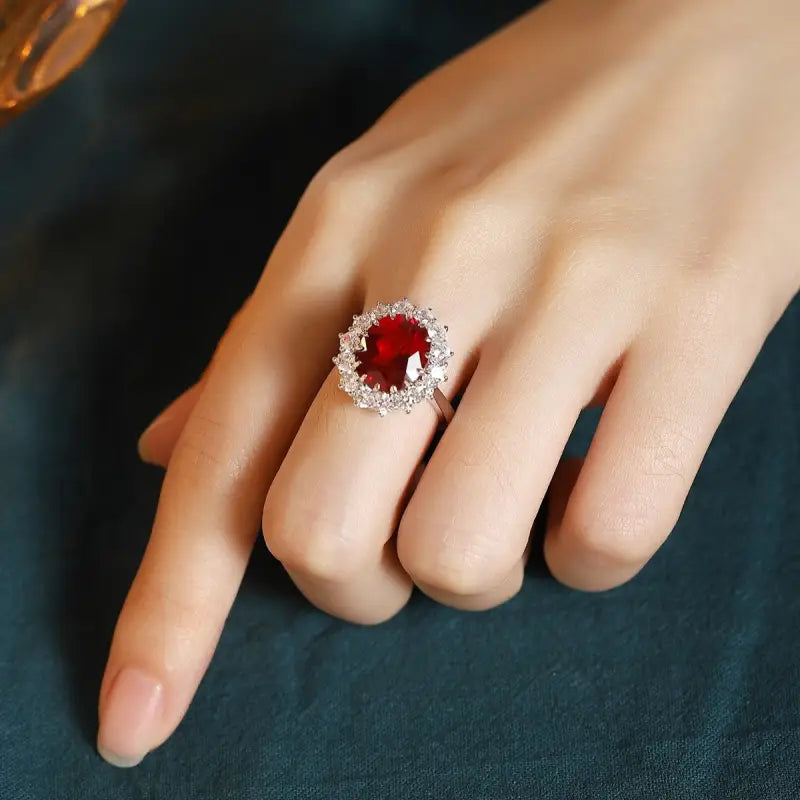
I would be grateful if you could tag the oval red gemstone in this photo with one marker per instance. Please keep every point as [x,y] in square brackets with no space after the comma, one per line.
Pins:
[396,351]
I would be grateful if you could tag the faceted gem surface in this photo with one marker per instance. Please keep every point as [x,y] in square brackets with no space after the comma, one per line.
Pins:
[394,351]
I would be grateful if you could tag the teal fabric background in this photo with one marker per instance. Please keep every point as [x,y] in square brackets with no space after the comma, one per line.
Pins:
[137,207]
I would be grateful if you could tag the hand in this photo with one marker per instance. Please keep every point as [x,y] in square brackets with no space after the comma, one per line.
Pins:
[601,201]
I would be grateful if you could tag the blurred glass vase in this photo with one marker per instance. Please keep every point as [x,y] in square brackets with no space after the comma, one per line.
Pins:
[42,41]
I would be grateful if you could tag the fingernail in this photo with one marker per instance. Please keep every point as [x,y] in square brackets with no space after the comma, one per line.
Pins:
[129,718]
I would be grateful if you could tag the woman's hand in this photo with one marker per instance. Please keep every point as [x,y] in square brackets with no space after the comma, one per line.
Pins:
[601,201]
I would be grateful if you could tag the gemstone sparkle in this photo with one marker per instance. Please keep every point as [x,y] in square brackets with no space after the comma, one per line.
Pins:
[394,350]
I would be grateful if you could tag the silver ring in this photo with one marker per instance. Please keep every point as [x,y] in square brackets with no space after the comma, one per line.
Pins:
[393,357]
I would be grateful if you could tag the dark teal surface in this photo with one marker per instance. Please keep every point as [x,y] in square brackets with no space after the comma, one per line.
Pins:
[137,206]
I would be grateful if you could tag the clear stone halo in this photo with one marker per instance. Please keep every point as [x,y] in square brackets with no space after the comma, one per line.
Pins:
[393,357]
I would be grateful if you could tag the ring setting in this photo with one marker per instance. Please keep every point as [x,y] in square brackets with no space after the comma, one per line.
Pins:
[393,357]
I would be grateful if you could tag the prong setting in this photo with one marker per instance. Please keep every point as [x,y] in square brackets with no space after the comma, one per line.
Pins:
[413,392]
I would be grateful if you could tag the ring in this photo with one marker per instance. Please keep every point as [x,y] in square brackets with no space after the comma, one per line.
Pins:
[393,357]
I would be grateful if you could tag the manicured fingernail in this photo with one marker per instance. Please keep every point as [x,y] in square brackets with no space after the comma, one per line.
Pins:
[129,719]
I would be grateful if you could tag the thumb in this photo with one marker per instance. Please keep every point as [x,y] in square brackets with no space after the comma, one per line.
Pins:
[158,440]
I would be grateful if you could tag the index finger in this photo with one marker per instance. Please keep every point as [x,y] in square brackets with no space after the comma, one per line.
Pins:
[208,515]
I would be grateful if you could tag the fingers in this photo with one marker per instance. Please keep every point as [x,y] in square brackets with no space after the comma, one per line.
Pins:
[156,444]
[208,516]
[465,531]
[673,389]
[333,508]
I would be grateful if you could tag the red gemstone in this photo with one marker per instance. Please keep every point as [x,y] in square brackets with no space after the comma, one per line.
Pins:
[396,351]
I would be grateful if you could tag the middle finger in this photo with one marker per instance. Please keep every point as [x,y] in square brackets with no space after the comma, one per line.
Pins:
[465,531]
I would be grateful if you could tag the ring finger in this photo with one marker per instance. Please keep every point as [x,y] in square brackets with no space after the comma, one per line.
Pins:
[334,505]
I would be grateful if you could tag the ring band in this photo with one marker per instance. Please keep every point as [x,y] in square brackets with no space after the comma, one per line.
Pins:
[444,407]
[393,357]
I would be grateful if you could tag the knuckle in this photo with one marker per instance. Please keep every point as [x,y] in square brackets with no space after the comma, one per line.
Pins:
[464,562]
[465,180]
[608,233]
[455,231]
[465,213]
[347,183]
[604,204]
[313,545]
[625,536]
[628,529]
[591,258]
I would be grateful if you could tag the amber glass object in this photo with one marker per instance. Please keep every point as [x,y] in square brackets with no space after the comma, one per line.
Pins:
[42,41]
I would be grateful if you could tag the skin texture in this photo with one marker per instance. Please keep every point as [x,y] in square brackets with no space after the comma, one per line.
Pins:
[601,201]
